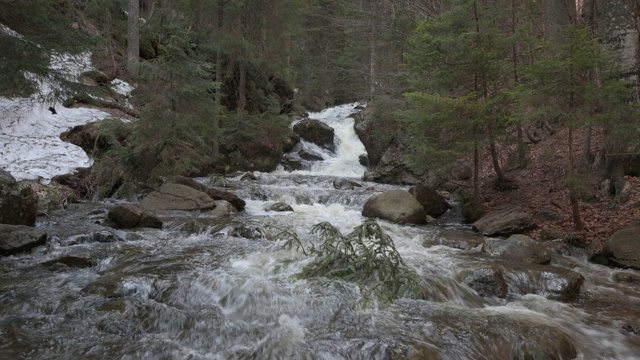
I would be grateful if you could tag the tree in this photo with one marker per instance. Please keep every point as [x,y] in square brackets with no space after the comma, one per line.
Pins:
[133,38]
[462,62]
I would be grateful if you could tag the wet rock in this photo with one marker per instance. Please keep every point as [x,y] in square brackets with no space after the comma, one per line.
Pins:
[488,281]
[316,132]
[150,221]
[558,247]
[543,346]
[397,206]
[363,159]
[457,239]
[626,277]
[177,197]
[223,208]
[15,239]
[305,155]
[552,282]
[106,287]
[278,207]
[18,206]
[126,216]
[292,163]
[192,226]
[502,279]
[248,232]
[291,140]
[517,249]
[215,194]
[622,249]
[504,221]
[247,177]
[115,306]
[432,202]
[345,184]
[103,236]
[71,261]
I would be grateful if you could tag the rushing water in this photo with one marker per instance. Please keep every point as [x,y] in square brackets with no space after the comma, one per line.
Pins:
[223,290]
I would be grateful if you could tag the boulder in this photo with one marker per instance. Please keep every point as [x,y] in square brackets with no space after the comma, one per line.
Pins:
[316,132]
[15,239]
[345,184]
[394,168]
[622,249]
[129,216]
[363,159]
[18,206]
[291,140]
[397,206]
[177,197]
[457,239]
[223,208]
[70,261]
[215,194]
[487,281]
[504,221]
[305,155]
[551,282]
[502,279]
[292,162]
[517,249]
[432,202]
[93,137]
[278,207]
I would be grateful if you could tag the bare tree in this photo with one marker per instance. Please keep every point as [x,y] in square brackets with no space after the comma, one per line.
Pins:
[133,38]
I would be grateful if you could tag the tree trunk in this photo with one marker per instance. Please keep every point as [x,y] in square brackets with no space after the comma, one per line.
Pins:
[242,93]
[133,39]
[617,26]
[558,15]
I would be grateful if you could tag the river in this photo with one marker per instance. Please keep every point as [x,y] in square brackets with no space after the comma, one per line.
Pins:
[222,288]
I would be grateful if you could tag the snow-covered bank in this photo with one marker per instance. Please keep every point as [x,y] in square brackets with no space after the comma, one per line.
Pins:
[30,145]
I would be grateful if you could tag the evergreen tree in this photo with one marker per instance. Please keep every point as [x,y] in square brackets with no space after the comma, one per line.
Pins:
[462,61]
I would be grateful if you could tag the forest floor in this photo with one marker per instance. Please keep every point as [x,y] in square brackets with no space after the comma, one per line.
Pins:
[542,186]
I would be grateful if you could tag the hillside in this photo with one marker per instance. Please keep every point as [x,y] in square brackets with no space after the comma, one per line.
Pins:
[542,186]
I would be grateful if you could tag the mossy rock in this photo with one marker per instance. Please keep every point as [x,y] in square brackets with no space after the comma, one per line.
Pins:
[472,209]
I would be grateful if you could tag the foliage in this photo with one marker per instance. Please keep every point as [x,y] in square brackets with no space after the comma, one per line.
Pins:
[366,256]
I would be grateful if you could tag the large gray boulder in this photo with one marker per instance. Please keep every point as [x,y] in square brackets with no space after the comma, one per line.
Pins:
[622,249]
[504,221]
[128,216]
[15,239]
[18,206]
[397,206]
[432,202]
[177,197]
[518,249]
[317,132]
[215,194]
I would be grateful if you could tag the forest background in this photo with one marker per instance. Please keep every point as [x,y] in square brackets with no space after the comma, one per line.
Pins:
[539,98]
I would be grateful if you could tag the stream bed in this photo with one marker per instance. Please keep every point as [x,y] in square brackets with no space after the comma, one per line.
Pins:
[223,288]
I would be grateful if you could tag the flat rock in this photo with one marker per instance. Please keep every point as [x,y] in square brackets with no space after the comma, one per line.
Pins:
[457,239]
[177,197]
[15,239]
[517,249]
[504,221]
[215,194]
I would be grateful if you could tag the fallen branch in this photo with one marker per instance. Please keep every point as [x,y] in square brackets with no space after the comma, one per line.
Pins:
[86,99]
